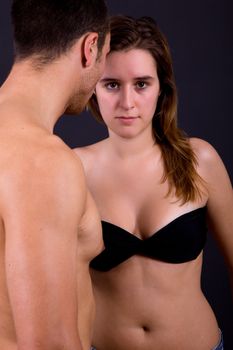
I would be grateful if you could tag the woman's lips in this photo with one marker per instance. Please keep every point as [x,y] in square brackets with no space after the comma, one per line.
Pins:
[127,120]
[130,117]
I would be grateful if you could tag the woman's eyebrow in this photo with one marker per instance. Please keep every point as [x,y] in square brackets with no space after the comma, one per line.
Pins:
[144,77]
[108,79]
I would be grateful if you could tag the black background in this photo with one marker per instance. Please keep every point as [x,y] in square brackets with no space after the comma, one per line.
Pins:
[200,37]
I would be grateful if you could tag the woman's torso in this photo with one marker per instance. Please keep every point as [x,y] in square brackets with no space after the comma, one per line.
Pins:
[143,302]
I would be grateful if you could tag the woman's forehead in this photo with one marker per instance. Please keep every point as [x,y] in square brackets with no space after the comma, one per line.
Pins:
[134,61]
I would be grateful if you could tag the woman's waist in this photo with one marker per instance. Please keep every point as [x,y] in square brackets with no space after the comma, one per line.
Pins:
[172,332]
[155,312]
[150,295]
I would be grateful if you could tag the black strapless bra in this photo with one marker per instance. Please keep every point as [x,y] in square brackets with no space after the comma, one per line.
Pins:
[180,241]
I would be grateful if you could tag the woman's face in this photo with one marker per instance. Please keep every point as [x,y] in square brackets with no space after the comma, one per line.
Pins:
[128,91]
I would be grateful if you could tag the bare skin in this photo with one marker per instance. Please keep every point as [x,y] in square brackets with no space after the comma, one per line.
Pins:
[49,228]
[143,303]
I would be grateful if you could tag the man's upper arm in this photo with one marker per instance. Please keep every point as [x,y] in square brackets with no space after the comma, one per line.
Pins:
[41,206]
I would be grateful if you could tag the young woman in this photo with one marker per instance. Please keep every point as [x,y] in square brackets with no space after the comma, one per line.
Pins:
[155,189]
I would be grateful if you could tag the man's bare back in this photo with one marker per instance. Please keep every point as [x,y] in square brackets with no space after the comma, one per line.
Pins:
[49,226]
[42,181]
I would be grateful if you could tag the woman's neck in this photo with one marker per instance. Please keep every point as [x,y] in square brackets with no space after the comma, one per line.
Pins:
[133,147]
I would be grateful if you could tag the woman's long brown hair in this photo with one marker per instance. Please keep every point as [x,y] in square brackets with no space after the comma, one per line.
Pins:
[179,159]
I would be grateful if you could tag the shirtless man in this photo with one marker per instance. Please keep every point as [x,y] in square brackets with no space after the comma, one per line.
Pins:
[49,225]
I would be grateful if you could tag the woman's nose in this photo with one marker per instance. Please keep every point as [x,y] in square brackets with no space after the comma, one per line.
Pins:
[127,98]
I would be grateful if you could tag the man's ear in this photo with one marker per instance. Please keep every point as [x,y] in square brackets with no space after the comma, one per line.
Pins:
[90,49]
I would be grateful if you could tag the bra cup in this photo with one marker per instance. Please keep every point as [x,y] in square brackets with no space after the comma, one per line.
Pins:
[180,241]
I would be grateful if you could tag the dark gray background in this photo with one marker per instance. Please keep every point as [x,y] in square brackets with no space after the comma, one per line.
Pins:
[200,37]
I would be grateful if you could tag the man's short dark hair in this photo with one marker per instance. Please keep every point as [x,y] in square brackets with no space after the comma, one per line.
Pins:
[49,28]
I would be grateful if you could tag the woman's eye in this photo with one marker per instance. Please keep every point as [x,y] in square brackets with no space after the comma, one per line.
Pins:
[141,84]
[111,86]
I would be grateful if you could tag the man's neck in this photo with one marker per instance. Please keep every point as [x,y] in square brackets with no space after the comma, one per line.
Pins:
[41,94]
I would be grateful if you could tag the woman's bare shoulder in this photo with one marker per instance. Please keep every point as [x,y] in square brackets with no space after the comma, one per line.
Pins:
[204,150]
[89,154]
[209,164]
[208,159]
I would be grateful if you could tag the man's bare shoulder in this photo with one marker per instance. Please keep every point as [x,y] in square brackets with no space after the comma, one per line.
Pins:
[39,163]
[35,148]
